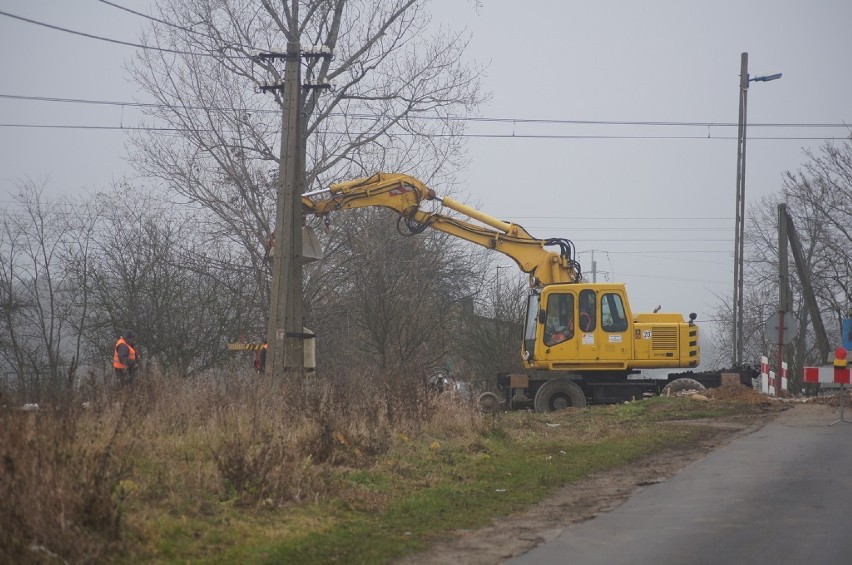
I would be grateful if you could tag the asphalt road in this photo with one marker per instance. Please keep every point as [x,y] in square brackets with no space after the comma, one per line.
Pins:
[781,495]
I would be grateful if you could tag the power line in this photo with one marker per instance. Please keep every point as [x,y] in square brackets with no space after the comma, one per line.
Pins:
[664,278]
[631,229]
[473,119]
[116,128]
[687,251]
[620,218]
[648,240]
[100,38]
[68,208]
[662,137]
[483,119]
[436,135]
[681,260]
[152,18]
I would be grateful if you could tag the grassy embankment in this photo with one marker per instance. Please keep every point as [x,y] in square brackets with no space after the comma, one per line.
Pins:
[234,473]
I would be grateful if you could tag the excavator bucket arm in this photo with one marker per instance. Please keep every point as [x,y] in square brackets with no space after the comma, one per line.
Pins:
[405,194]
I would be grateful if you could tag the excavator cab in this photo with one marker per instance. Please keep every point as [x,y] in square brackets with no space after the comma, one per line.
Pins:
[589,327]
[578,326]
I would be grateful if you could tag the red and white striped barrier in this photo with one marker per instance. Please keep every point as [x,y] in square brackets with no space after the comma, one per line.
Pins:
[828,374]
[768,378]
[838,374]
[764,375]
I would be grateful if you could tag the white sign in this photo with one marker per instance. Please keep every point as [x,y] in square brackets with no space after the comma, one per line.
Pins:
[787,333]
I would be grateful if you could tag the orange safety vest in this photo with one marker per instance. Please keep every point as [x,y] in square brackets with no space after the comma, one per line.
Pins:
[116,361]
[260,357]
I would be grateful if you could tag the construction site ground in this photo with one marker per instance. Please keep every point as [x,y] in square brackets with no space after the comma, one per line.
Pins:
[514,535]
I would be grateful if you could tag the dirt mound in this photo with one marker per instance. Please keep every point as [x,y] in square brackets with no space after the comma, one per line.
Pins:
[833,400]
[738,393]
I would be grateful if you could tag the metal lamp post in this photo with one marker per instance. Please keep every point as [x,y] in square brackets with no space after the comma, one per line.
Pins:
[739,228]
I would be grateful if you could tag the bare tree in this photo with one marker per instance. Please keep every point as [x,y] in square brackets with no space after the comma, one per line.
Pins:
[492,329]
[155,272]
[819,199]
[399,88]
[44,302]
[396,299]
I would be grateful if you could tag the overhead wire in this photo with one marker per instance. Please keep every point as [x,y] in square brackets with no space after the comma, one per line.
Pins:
[107,39]
[477,119]
[67,209]
[472,119]
[433,135]
[152,18]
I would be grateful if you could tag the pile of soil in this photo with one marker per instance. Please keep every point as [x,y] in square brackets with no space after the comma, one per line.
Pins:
[739,393]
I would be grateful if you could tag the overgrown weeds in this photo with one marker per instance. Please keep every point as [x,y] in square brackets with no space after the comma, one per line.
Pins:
[76,479]
[61,468]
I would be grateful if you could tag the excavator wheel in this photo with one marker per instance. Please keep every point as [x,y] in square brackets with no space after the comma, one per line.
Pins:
[490,403]
[679,385]
[559,394]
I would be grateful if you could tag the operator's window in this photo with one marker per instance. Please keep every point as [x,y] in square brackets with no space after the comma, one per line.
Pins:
[613,318]
[588,318]
[560,319]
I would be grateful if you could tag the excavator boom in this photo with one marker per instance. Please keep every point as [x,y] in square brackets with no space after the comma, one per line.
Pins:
[405,194]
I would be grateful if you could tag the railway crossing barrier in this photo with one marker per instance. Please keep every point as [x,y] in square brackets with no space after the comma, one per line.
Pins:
[838,374]
[768,381]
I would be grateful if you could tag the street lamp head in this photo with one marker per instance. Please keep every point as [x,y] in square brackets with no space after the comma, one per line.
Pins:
[766,78]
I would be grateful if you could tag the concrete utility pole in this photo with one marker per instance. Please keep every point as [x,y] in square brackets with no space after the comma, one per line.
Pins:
[785,302]
[737,336]
[285,331]
[739,229]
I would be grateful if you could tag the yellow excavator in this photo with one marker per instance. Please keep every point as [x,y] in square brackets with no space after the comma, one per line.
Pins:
[581,342]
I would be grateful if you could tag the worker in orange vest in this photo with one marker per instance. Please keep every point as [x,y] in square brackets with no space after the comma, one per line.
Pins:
[260,357]
[125,359]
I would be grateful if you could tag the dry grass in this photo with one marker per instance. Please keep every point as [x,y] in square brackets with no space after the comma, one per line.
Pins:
[79,484]
[58,484]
